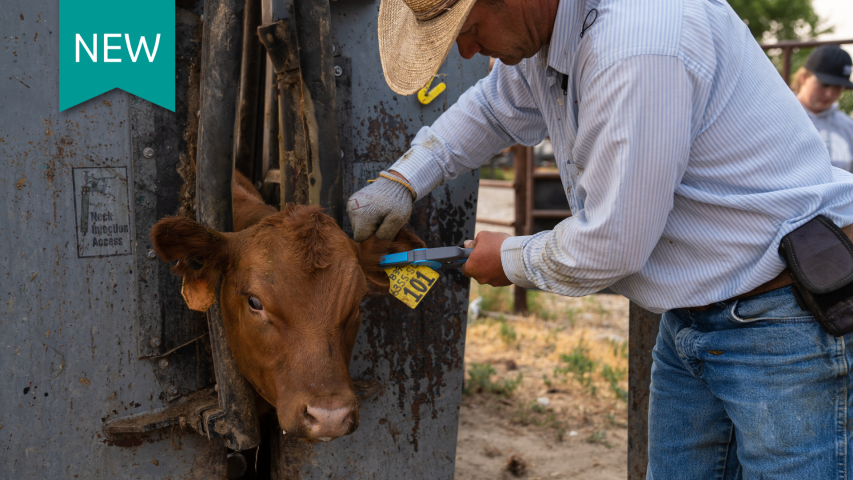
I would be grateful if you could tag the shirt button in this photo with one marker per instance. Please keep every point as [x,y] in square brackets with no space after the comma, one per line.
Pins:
[559,101]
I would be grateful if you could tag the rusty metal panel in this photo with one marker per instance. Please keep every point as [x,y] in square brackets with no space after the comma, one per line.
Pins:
[643,331]
[408,430]
[69,353]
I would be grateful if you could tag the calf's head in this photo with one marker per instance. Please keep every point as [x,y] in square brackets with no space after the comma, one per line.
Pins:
[290,288]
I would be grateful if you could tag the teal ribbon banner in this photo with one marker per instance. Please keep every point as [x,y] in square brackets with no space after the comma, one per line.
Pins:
[107,44]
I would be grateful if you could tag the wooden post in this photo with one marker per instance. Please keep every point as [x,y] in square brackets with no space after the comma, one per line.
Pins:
[528,192]
[786,64]
[523,156]
[642,333]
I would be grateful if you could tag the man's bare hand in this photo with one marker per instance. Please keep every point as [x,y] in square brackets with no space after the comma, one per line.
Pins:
[484,263]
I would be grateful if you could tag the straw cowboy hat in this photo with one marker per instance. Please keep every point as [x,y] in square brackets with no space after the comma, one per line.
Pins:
[415,37]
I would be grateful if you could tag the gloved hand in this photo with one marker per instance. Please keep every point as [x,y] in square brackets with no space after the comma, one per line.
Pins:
[382,207]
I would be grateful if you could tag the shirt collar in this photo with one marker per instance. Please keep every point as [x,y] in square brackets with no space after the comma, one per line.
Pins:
[566,35]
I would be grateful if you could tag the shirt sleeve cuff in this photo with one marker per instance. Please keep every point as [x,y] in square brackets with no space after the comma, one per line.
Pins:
[421,170]
[512,259]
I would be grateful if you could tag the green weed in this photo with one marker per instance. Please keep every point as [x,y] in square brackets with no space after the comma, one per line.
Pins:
[497,173]
[571,315]
[612,376]
[507,333]
[611,419]
[620,349]
[578,363]
[494,299]
[479,378]
[599,437]
[480,381]
[509,385]
[546,381]
[536,306]
[592,304]
[552,335]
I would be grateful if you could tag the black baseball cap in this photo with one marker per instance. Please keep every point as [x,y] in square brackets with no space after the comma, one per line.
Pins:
[831,65]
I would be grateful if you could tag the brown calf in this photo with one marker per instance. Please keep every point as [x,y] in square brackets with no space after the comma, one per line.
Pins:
[290,284]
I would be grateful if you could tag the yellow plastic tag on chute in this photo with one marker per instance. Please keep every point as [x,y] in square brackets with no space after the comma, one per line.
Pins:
[410,283]
[425,95]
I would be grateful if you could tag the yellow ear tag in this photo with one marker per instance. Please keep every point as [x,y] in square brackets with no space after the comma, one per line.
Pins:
[410,284]
[198,294]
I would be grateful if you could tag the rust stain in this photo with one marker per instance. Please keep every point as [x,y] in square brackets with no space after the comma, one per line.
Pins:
[84,381]
[20,183]
[424,344]
[387,136]
[127,441]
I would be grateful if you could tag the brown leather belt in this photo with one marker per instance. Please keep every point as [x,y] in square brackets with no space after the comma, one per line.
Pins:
[781,280]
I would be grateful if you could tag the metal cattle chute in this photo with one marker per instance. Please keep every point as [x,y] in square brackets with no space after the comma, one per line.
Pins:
[105,371]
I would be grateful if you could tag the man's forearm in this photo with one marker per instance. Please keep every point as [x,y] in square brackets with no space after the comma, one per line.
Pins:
[496,113]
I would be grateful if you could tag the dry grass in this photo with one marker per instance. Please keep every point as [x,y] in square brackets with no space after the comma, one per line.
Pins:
[573,352]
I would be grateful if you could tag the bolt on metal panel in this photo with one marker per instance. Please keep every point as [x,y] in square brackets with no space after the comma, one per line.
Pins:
[69,352]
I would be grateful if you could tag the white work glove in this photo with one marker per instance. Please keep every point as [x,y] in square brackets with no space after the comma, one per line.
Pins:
[382,207]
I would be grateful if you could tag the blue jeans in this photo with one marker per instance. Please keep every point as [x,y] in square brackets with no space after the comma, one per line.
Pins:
[750,389]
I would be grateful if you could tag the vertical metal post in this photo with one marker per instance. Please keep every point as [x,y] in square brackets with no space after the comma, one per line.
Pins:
[269,155]
[528,192]
[282,45]
[520,160]
[786,64]
[642,333]
[313,21]
[247,107]
[221,49]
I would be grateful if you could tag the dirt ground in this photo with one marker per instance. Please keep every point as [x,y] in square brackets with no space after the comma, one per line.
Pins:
[545,394]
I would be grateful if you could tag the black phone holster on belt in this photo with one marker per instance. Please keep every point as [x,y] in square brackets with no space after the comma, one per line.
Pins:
[820,258]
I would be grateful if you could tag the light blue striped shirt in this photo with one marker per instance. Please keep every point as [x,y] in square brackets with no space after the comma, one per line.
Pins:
[684,156]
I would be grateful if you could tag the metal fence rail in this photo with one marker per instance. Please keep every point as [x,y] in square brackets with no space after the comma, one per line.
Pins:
[788,49]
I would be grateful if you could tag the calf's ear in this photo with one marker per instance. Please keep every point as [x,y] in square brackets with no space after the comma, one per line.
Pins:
[201,253]
[371,250]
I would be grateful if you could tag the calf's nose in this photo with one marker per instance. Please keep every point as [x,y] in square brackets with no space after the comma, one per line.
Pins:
[328,423]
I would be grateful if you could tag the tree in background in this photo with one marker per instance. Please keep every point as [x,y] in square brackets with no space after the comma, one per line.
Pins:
[775,20]
[770,21]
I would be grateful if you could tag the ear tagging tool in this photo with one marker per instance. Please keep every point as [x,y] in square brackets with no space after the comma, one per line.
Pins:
[434,258]
[412,274]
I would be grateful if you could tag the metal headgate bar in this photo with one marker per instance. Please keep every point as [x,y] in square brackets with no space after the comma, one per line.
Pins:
[320,106]
[222,43]
[246,155]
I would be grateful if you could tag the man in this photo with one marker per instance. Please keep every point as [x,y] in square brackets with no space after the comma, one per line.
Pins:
[818,85]
[685,160]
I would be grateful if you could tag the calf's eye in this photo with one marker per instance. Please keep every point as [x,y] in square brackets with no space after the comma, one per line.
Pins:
[255,304]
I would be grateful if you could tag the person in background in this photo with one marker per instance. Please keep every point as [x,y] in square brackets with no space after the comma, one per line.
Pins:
[818,85]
